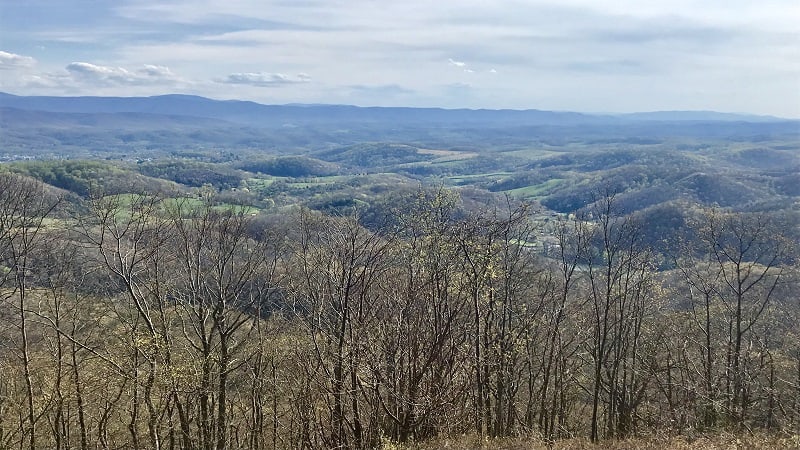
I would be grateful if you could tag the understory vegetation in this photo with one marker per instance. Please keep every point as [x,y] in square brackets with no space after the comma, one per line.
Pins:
[417,317]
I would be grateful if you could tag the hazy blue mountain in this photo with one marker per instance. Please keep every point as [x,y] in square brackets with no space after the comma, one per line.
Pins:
[698,116]
[258,114]
[28,118]
[252,113]
[176,121]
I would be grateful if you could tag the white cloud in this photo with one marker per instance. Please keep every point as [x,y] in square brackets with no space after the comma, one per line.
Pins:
[147,75]
[456,63]
[265,79]
[157,71]
[47,81]
[88,69]
[15,61]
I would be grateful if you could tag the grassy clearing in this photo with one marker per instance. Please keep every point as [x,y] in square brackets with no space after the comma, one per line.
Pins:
[446,155]
[306,184]
[246,209]
[185,204]
[536,190]
[462,179]
[453,158]
[436,152]
[259,183]
[533,153]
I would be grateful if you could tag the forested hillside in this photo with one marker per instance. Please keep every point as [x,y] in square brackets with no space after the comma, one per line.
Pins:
[159,315]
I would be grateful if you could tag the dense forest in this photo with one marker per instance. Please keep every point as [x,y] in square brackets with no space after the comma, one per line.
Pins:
[151,318]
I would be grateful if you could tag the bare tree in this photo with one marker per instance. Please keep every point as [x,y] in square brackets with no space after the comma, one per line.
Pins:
[24,207]
[561,336]
[339,267]
[745,255]
[621,295]
[223,280]
[702,278]
[418,360]
[506,295]
[129,235]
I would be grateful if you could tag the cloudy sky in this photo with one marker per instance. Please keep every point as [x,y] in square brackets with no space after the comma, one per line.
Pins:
[580,55]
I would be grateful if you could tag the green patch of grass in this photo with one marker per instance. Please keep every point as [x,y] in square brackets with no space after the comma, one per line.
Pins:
[471,178]
[308,184]
[255,183]
[245,209]
[189,204]
[536,190]
[533,153]
[185,203]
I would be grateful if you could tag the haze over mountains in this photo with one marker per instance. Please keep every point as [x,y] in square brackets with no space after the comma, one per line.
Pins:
[251,113]
[91,127]
[330,157]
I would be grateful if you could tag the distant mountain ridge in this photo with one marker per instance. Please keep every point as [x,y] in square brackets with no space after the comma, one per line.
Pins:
[699,116]
[257,114]
[30,118]
[251,113]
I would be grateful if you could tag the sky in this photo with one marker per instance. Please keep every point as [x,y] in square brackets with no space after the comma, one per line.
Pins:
[575,55]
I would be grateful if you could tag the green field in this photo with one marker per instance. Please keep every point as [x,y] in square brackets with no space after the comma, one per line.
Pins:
[538,190]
